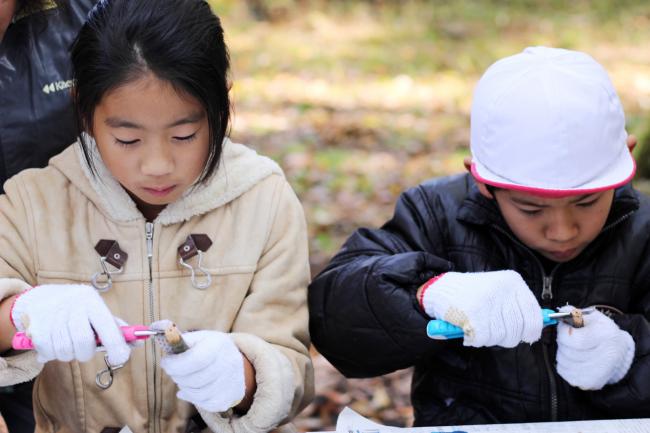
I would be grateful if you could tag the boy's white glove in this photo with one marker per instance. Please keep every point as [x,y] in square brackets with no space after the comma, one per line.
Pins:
[493,308]
[63,321]
[210,374]
[598,354]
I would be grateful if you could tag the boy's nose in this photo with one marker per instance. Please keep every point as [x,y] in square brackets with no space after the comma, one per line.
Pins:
[562,229]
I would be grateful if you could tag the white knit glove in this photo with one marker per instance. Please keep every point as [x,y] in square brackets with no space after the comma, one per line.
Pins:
[493,308]
[63,321]
[598,354]
[210,374]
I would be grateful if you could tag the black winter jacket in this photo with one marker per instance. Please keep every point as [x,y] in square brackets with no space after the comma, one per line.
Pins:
[36,119]
[366,321]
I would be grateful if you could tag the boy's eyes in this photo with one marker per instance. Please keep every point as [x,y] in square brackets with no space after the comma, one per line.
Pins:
[585,204]
[588,203]
[531,211]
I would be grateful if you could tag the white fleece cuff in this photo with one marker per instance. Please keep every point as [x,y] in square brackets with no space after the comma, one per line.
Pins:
[23,366]
[19,368]
[274,395]
[12,286]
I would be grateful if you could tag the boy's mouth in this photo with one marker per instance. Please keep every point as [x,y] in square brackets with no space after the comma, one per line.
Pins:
[563,255]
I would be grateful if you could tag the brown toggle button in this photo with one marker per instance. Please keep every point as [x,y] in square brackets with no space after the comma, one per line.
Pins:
[110,250]
[193,244]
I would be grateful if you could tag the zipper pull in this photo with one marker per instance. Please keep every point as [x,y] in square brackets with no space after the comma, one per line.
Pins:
[149,236]
[547,293]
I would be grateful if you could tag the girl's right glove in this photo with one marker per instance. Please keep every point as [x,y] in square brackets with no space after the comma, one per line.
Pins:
[493,308]
[598,354]
[62,320]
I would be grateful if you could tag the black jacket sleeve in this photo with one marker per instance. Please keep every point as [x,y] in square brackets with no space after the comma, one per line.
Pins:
[364,317]
[631,395]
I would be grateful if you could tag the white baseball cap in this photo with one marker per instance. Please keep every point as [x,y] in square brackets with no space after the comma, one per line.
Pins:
[548,121]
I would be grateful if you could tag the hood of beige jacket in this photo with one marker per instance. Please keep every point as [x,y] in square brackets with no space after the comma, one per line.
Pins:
[240,169]
[52,218]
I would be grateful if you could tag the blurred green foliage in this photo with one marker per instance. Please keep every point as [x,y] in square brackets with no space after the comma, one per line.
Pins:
[358,100]
[642,155]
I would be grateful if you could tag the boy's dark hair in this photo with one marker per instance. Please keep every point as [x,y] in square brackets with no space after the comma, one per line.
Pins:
[492,189]
[179,41]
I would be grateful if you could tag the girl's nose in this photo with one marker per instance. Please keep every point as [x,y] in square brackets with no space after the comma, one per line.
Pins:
[157,162]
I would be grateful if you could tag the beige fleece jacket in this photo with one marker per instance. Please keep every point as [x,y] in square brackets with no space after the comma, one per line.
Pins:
[52,218]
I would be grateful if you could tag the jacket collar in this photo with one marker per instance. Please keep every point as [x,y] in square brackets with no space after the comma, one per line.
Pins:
[479,210]
[240,169]
[44,6]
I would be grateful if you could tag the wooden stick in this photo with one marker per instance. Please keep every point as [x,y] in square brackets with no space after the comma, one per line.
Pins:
[175,340]
[578,320]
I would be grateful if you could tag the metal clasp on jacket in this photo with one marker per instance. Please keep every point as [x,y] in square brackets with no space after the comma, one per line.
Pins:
[109,252]
[196,245]
[109,281]
[104,378]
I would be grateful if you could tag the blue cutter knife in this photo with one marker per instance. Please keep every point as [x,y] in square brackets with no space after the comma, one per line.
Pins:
[441,330]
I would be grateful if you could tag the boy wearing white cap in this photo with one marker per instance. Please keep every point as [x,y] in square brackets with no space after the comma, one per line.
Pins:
[546,218]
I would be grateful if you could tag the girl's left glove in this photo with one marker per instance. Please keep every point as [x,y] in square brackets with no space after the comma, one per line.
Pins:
[598,354]
[210,374]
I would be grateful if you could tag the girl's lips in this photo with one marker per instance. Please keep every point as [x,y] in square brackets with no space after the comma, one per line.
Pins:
[160,192]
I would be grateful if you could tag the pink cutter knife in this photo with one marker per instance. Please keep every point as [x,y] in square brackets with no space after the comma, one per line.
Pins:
[131,333]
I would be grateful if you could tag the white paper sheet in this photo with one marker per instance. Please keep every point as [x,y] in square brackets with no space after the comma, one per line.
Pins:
[351,422]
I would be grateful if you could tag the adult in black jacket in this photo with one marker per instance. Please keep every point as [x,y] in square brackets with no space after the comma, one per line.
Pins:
[36,118]
[566,221]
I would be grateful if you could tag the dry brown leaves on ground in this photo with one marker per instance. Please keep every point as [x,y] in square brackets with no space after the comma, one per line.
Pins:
[384,399]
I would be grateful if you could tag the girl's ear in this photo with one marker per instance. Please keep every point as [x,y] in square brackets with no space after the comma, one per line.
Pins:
[73,93]
[85,127]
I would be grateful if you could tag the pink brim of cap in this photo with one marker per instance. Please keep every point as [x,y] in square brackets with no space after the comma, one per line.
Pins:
[620,173]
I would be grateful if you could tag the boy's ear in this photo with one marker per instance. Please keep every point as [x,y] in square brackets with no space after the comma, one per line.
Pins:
[483,190]
[467,162]
[631,142]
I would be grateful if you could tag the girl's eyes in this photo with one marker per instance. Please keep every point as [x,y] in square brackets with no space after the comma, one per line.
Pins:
[185,138]
[125,142]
